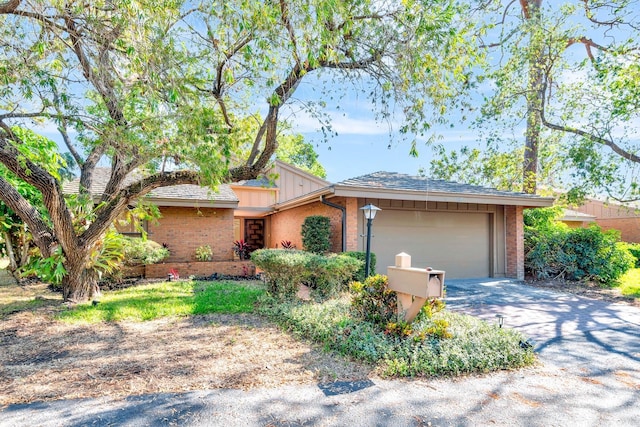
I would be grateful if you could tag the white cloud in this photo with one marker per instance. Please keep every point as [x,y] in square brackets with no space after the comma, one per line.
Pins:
[342,123]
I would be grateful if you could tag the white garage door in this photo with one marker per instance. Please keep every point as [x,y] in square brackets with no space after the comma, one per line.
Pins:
[458,243]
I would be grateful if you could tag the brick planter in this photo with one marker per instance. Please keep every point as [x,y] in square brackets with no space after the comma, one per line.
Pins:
[201,268]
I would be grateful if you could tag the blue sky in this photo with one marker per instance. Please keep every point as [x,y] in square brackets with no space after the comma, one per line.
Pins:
[363,144]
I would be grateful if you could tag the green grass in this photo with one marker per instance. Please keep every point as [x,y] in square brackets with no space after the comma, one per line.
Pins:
[475,346]
[630,283]
[155,300]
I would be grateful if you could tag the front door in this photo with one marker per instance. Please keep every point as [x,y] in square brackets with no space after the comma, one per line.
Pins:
[254,233]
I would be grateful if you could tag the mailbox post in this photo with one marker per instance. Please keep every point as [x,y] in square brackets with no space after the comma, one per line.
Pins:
[414,286]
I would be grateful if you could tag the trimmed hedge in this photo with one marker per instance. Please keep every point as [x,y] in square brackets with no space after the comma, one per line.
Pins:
[316,234]
[139,251]
[286,269]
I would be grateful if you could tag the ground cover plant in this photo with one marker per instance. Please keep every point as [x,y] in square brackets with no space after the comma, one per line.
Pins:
[437,343]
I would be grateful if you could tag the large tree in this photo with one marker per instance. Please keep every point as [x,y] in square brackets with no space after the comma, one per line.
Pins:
[562,84]
[168,89]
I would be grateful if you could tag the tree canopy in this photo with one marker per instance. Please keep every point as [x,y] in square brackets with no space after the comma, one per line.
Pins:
[177,90]
[561,85]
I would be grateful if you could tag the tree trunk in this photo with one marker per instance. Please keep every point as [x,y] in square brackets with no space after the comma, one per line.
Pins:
[535,94]
[79,284]
[13,265]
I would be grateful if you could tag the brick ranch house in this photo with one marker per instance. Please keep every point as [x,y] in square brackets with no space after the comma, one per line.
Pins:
[468,231]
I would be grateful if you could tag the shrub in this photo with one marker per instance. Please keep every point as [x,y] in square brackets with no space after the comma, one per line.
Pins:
[143,251]
[204,253]
[373,301]
[634,249]
[556,251]
[284,269]
[330,275]
[362,256]
[316,232]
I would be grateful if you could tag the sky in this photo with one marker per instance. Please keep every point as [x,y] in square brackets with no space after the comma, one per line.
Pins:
[364,145]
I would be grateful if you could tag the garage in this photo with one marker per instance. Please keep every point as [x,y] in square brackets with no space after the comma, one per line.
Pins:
[458,242]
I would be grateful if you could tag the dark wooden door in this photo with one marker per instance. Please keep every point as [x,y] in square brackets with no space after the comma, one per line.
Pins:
[254,233]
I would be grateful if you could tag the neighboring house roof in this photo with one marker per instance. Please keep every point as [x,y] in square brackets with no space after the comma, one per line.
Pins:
[397,186]
[176,195]
[571,215]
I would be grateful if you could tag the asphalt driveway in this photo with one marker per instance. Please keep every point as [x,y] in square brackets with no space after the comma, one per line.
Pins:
[589,376]
[567,330]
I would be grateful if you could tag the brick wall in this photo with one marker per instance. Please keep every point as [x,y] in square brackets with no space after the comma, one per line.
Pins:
[352,224]
[514,242]
[196,268]
[287,225]
[629,227]
[183,229]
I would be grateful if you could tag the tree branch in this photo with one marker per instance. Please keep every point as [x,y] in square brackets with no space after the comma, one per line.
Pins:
[42,234]
[108,212]
[588,135]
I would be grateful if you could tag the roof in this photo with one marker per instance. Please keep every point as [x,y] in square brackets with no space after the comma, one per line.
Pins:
[175,195]
[418,187]
[397,186]
[571,215]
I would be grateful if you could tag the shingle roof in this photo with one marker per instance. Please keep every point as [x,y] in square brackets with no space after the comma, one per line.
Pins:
[398,181]
[187,192]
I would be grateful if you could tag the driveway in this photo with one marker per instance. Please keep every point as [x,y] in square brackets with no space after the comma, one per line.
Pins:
[589,376]
[568,331]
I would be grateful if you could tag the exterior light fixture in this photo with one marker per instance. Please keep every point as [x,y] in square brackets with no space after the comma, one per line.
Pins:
[500,319]
[370,212]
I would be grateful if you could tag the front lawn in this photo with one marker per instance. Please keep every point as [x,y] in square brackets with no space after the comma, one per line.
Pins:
[156,300]
[629,283]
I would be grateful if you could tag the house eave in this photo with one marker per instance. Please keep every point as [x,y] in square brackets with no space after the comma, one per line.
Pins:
[434,196]
[187,203]
[303,200]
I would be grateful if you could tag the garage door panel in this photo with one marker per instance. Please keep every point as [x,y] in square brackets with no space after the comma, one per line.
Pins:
[458,243]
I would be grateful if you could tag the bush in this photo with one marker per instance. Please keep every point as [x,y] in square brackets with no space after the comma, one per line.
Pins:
[316,232]
[373,301]
[556,251]
[362,256]
[286,269]
[204,253]
[634,249]
[330,275]
[143,251]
